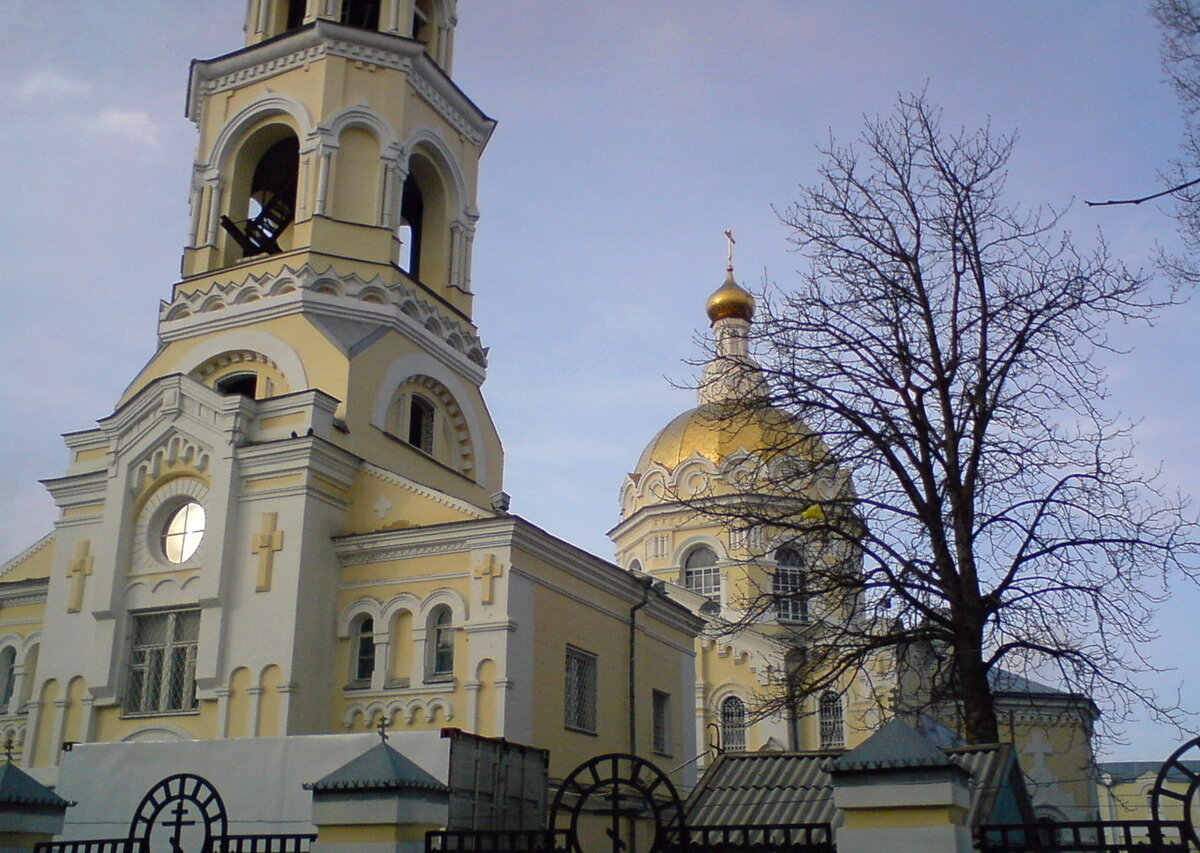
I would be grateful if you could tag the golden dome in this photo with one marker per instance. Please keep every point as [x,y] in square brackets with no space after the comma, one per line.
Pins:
[707,431]
[729,300]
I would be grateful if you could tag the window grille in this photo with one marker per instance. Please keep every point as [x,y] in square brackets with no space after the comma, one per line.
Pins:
[733,725]
[789,586]
[701,575]
[162,662]
[662,720]
[579,703]
[830,713]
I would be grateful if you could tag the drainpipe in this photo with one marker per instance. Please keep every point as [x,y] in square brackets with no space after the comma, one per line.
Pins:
[646,583]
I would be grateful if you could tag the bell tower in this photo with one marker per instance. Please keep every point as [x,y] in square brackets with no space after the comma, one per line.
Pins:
[337,134]
[329,242]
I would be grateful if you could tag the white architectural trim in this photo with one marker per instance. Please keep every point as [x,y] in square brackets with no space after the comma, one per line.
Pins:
[276,349]
[361,115]
[258,109]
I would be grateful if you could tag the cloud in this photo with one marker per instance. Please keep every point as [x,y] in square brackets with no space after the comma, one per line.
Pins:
[49,84]
[133,127]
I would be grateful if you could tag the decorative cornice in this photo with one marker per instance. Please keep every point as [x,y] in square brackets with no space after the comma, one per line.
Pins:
[425,491]
[326,38]
[7,567]
[401,306]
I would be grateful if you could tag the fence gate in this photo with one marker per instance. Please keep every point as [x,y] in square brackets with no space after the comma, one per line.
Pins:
[183,813]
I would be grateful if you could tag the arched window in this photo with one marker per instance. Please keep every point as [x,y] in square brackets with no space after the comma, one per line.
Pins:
[245,384]
[8,676]
[635,566]
[361,13]
[701,575]
[830,716]
[733,725]
[363,663]
[439,639]
[789,586]
[420,423]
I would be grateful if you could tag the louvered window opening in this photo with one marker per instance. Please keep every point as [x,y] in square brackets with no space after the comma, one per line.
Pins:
[832,733]
[162,662]
[579,703]
[733,725]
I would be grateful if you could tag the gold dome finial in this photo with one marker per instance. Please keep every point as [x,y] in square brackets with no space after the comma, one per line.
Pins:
[730,300]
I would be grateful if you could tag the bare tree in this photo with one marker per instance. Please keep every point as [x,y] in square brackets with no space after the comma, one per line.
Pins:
[957,484]
[1180,23]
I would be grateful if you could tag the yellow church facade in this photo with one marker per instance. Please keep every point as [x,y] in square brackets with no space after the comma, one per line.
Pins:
[293,522]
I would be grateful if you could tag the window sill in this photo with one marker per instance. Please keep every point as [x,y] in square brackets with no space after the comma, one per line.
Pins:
[396,684]
[358,685]
[447,678]
[661,754]
[181,712]
[579,731]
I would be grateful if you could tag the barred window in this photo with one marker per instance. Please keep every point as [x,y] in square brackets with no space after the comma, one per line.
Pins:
[789,586]
[579,701]
[662,722]
[162,662]
[701,575]
[733,724]
[830,714]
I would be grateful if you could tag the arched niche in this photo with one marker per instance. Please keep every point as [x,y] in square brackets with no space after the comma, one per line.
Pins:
[245,372]
[357,180]
[271,353]
[425,415]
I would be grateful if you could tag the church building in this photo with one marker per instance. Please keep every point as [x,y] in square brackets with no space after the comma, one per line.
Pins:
[293,521]
[293,524]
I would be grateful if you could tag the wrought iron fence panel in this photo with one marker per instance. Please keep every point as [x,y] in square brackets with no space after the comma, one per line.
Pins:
[498,841]
[91,845]
[279,843]
[1116,836]
[785,838]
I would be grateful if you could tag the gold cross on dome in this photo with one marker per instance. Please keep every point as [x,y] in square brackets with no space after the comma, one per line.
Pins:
[487,572]
[729,241]
[79,568]
[266,543]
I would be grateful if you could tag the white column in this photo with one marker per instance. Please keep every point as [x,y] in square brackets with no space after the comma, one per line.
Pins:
[255,694]
[216,188]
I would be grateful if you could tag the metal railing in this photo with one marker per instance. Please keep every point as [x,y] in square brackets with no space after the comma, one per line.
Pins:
[261,843]
[792,838]
[497,840]
[1113,836]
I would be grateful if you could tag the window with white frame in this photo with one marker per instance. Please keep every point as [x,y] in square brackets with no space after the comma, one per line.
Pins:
[440,637]
[789,586]
[701,575]
[162,662]
[662,722]
[830,716]
[733,724]
[362,663]
[579,699]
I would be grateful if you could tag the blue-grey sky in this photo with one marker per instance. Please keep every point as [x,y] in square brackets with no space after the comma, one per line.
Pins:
[631,135]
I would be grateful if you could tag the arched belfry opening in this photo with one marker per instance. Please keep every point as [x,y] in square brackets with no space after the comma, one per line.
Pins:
[432,25]
[412,223]
[423,234]
[294,13]
[361,13]
[262,202]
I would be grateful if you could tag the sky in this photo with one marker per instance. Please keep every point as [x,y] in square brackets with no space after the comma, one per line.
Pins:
[630,136]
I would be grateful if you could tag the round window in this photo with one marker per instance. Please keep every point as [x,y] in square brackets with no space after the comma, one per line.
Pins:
[182,533]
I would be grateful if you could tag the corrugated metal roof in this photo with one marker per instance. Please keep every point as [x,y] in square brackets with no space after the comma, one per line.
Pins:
[795,787]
